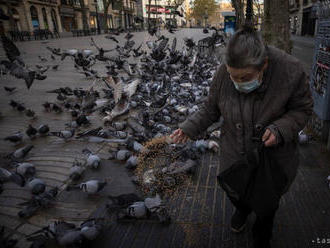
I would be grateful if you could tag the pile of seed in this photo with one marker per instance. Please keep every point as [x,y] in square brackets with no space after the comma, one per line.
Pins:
[156,155]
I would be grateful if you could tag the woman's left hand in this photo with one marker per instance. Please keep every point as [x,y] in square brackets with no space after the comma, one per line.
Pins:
[269,138]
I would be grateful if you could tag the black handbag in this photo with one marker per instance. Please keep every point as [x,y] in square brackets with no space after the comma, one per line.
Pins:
[256,181]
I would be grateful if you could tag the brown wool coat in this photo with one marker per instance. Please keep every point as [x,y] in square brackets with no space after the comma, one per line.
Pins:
[283,100]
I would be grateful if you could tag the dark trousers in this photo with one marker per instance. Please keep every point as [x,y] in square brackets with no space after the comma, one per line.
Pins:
[262,228]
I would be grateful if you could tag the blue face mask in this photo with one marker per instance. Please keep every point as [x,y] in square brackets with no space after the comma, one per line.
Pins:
[247,87]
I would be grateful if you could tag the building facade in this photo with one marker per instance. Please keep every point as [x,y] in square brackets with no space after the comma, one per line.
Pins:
[161,12]
[29,15]
[65,15]
[302,19]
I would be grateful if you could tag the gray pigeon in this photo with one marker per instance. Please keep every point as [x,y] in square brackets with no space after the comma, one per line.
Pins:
[21,152]
[36,185]
[132,162]
[31,132]
[90,229]
[136,210]
[76,171]
[43,129]
[93,160]
[16,138]
[43,200]
[27,170]
[65,134]
[89,187]
[6,176]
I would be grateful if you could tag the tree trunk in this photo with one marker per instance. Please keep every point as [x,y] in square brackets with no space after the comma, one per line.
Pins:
[239,12]
[276,24]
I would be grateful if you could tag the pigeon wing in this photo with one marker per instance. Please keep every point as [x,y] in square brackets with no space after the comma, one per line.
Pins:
[174,44]
[11,50]
[130,89]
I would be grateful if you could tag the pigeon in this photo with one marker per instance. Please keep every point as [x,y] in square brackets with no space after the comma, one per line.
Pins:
[47,106]
[93,160]
[136,210]
[89,187]
[21,152]
[119,126]
[56,108]
[64,233]
[12,52]
[76,171]
[27,170]
[91,229]
[43,129]
[43,200]
[110,37]
[82,120]
[9,89]
[13,103]
[31,132]
[120,155]
[134,145]
[132,162]
[6,176]
[20,107]
[30,113]
[55,51]
[36,185]
[128,36]
[65,134]
[42,59]
[16,138]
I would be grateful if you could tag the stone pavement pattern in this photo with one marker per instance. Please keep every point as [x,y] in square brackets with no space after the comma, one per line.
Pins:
[200,212]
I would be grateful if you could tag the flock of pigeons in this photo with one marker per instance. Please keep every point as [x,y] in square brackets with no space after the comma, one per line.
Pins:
[140,101]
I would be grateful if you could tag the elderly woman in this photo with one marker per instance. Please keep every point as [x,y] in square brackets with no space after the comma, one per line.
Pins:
[259,89]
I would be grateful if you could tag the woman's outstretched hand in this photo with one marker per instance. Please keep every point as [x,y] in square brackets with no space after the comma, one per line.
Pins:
[178,136]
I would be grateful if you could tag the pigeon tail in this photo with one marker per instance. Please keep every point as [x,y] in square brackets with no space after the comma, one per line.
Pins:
[29,79]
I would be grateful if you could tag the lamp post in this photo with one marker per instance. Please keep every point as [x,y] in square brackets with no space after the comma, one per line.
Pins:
[97,17]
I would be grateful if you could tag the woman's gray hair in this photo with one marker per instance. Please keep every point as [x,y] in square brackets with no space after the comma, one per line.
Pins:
[246,48]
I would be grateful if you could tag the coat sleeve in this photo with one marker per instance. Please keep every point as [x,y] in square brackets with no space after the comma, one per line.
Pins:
[209,111]
[299,109]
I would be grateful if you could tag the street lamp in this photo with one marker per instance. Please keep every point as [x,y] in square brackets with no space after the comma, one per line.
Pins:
[97,17]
